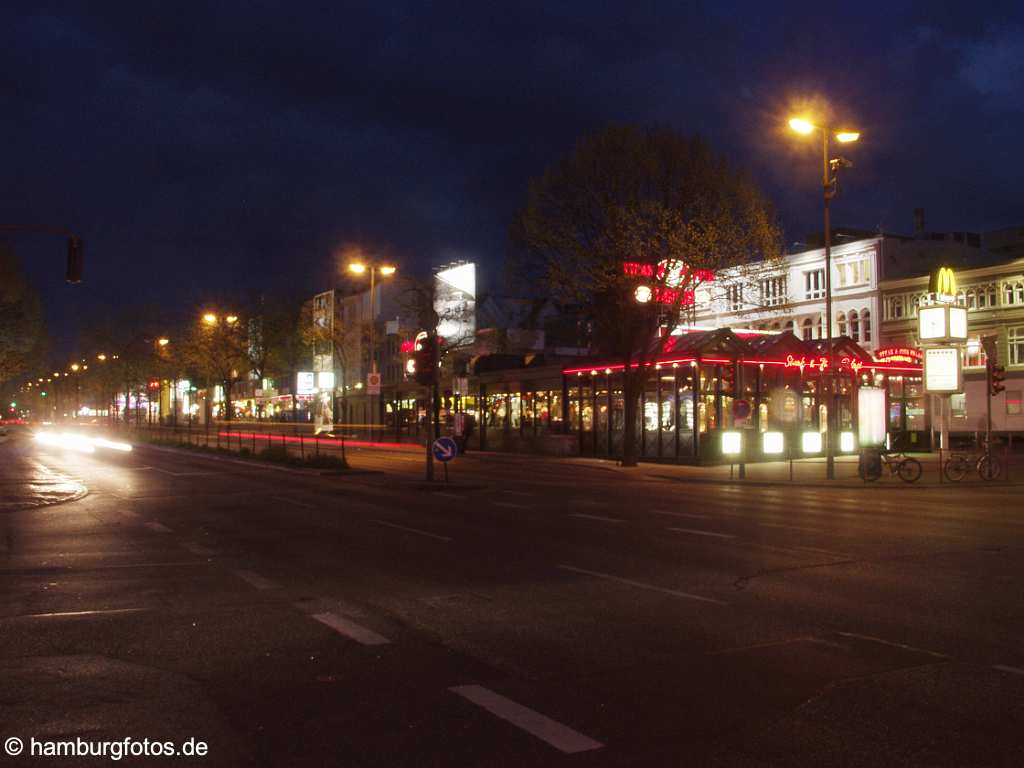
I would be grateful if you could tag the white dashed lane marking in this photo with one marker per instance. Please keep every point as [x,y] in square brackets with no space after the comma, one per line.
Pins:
[641,585]
[412,530]
[350,629]
[509,505]
[597,517]
[153,525]
[198,549]
[255,580]
[702,533]
[561,737]
[1011,670]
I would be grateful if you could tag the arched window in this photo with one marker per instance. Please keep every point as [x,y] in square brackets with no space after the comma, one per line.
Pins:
[854,325]
[808,329]
[775,326]
[841,322]
[865,322]
[789,326]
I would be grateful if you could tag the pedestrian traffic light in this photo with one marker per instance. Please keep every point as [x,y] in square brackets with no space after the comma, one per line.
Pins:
[75,260]
[996,377]
[425,360]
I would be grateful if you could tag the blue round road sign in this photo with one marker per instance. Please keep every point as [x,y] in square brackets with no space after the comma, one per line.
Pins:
[444,449]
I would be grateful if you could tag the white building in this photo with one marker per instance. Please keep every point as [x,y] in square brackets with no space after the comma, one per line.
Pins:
[790,296]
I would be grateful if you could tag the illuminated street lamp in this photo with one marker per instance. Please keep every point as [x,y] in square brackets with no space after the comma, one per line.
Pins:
[830,187]
[101,357]
[163,341]
[231,319]
[74,367]
[209,318]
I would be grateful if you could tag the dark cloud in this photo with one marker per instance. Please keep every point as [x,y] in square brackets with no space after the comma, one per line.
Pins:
[233,145]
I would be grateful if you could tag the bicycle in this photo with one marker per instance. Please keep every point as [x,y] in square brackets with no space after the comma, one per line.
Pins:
[988,467]
[908,469]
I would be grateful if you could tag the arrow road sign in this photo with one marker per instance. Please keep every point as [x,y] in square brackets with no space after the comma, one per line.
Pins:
[444,449]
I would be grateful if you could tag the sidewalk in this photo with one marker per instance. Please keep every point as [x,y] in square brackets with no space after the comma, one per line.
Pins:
[810,472]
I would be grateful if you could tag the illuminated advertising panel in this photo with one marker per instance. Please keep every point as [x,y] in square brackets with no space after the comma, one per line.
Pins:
[931,323]
[958,323]
[870,416]
[455,303]
[305,383]
[325,380]
[943,370]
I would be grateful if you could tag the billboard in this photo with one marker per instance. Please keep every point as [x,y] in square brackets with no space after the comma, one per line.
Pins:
[305,383]
[455,303]
[943,371]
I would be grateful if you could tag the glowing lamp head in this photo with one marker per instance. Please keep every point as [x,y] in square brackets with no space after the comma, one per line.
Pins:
[800,125]
[209,318]
[163,342]
[74,367]
[231,319]
[357,267]
[642,294]
[388,271]
[847,137]
[101,357]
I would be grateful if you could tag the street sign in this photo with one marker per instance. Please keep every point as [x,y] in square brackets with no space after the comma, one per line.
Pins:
[444,449]
[943,370]
[373,384]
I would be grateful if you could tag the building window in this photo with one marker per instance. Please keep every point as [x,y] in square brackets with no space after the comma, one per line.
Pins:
[854,325]
[841,323]
[821,326]
[1015,337]
[1014,293]
[975,357]
[958,405]
[773,291]
[789,326]
[735,297]
[894,305]
[971,299]
[865,323]
[814,284]
[1013,402]
[808,329]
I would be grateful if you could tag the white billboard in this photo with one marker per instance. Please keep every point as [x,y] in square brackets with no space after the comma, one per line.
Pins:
[305,383]
[943,372]
[455,303]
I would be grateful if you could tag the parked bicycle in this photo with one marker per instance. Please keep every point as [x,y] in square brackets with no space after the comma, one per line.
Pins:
[956,467]
[871,466]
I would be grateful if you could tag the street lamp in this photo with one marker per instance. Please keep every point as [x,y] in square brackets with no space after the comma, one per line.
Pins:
[209,318]
[830,187]
[163,341]
[385,270]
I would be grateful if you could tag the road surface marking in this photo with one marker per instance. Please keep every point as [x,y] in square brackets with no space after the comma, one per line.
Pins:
[679,514]
[455,496]
[510,505]
[198,549]
[412,530]
[296,502]
[641,585]
[350,629]
[254,579]
[892,644]
[516,493]
[68,614]
[1011,670]
[598,517]
[183,474]
[791,527]
[561,737]
[702,533]
[153,525]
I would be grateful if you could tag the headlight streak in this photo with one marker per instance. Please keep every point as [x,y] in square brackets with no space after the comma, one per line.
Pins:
[80,443]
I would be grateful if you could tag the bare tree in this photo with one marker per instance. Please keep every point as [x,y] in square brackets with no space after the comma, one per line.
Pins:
[627,226]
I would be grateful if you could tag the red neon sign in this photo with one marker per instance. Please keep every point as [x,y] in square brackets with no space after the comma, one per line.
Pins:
[899,355]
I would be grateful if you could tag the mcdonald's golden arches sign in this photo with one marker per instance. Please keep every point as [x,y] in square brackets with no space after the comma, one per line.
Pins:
[943,282]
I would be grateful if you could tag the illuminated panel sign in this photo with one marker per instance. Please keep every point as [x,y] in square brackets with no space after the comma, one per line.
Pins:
[870,415]
[899,355]
[931,323]
[943,370]
[325,380]
[305,383]
[958,323]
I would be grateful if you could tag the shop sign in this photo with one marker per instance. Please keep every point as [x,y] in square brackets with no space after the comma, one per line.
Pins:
[821,363]
[899,355]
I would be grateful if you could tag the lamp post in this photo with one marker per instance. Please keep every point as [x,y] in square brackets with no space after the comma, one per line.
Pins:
[385,270]
[830,187]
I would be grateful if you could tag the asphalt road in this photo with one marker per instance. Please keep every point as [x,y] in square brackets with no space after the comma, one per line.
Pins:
[533,613]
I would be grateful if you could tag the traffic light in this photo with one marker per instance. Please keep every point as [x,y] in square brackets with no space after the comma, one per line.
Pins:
[996,377]
[425,360]
[75,260]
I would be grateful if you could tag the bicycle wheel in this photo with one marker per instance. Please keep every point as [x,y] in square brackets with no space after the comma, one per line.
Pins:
[990,468]
[909,470]
[955,469]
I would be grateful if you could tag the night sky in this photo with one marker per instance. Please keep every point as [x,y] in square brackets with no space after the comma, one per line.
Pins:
[225,147]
